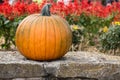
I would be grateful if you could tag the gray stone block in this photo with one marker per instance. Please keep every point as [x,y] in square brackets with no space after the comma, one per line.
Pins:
[73,66]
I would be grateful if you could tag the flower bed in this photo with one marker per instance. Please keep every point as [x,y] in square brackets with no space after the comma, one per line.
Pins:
[87,21]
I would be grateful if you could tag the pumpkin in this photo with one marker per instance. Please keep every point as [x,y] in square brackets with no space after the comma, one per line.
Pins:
[43,36]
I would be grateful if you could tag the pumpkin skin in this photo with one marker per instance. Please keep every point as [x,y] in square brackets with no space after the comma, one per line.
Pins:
[43,37]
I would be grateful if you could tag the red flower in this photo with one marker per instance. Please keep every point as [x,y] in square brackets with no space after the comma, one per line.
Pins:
[73,8]
[32,8]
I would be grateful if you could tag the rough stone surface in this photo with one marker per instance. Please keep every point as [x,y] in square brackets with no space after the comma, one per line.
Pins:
[73,66]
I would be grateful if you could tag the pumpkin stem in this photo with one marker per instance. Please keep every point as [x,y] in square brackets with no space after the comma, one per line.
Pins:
[46,10]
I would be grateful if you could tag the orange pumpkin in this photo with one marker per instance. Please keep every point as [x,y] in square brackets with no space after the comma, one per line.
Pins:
[43,37]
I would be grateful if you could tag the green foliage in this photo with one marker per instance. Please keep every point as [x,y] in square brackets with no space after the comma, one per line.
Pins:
[111,40]
[55,0]
[8,29]
[92,25]
[77,35]
[88,28]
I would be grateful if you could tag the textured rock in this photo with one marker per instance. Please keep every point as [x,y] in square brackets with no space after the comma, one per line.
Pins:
[73,66]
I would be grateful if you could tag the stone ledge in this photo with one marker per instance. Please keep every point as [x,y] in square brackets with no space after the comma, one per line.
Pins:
[73,66]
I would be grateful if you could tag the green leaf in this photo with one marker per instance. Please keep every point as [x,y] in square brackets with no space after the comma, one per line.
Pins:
[6,22]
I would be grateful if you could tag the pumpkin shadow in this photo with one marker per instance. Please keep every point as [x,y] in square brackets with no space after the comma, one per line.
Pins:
[59,59]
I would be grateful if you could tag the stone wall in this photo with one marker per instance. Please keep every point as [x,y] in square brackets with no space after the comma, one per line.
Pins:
[73,66]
